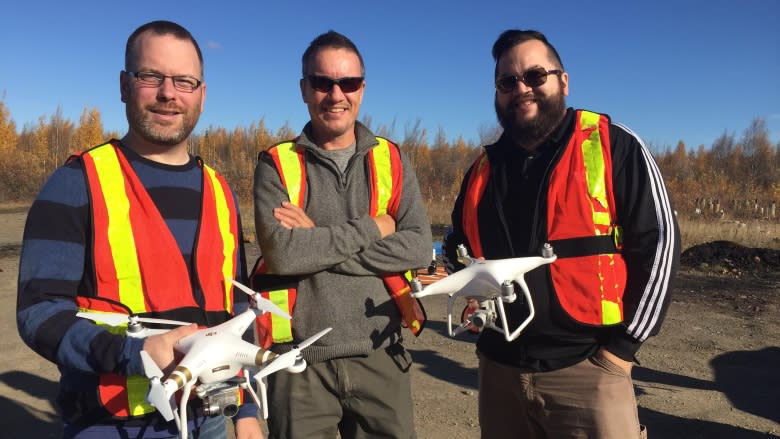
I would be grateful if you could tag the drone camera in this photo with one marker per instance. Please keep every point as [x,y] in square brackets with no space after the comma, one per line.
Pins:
[479,319]
[485,316]
[222,399]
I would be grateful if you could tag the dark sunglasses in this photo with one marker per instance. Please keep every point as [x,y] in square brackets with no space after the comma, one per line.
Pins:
[532,78]
[325,84]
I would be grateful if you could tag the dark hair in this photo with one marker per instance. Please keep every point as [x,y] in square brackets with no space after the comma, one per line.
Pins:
[333,40]
[161,27]
[512,37]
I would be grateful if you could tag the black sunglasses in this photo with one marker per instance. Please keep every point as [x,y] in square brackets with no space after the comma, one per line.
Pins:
[324,84]
[532,78]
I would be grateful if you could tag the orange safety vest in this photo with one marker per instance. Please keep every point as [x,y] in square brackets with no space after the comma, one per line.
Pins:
[386,174]
[589,276]
[138,262]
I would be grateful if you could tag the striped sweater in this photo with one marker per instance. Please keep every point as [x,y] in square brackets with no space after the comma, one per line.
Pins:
[56,265]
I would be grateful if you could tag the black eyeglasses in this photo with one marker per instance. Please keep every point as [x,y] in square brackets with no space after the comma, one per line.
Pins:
[532,78]
[324,84]
[185,83]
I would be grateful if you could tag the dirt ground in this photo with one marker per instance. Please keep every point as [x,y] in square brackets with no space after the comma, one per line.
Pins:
[711,373]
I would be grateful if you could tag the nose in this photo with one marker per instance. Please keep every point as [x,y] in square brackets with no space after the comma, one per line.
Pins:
[336,93]
[166,91]
[521,87]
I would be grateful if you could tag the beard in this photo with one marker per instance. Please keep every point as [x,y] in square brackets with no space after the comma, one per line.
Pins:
[529,134]
[140,120]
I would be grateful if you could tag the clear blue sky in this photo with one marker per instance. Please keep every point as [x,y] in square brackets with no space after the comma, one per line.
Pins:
[670,70]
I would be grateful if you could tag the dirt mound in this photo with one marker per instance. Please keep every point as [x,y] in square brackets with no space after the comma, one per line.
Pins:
[729,257]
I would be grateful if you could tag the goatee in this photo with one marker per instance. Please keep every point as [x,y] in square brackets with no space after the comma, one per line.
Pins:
[140,120]
[529,134]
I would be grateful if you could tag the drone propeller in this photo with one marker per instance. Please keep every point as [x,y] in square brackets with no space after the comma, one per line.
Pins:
[290,360]
[115,319]
[261,302]
[306,343]
[157,395]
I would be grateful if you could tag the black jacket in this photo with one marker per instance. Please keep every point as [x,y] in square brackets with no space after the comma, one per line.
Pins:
[512,223]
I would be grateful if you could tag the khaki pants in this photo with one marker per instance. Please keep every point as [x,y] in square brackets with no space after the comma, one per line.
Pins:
[592,399]
[360,397]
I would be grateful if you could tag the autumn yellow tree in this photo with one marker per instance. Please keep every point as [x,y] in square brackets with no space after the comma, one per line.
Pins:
[8,135]
[60,135]
[89,132]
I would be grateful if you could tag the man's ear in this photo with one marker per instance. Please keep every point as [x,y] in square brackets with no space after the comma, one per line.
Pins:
[124,86]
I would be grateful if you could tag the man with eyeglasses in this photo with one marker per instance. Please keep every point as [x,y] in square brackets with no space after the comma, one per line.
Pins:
[134,226]
[590,188]
[339,217]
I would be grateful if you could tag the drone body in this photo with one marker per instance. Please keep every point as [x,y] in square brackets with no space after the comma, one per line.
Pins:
[491,283]
[212,358]
[219,353]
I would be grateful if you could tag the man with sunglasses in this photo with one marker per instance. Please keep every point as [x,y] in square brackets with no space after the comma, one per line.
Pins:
[589,187]
[134,226]
[339,216]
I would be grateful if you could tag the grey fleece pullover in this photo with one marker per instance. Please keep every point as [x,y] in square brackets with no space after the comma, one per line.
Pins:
[339,261]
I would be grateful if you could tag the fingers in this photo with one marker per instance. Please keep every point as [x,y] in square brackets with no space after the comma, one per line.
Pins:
[160,346]
[386,225]
[291,217]
[182,331]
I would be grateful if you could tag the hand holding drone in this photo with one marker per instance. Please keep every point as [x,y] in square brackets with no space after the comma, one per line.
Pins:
[212,359]
[491,283]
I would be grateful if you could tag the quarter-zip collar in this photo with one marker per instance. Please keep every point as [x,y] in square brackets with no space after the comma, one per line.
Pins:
[365,140]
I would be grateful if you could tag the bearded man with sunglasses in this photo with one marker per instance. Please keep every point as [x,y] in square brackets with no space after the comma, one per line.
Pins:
[339,217]
[590,188]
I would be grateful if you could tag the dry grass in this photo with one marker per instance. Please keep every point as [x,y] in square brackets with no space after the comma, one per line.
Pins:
[749,233]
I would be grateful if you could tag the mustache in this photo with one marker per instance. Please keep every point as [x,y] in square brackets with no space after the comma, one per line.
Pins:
[524,97]
[170,108]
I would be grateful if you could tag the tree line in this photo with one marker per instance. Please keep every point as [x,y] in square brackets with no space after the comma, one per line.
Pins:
[732,168]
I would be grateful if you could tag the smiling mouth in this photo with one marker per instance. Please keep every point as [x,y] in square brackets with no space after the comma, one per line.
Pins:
[165,112]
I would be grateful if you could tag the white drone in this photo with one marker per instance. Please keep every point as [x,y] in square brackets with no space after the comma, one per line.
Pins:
[212,359]
[491,283]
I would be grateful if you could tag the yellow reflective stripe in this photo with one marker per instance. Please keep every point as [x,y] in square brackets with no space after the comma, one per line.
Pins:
[291,170]
[228,240]
[593,160]
[601,218]
[281,328]
[120,231]
[409,275]
[137,386]
[384,176]
[610,312]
